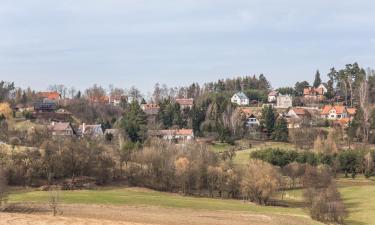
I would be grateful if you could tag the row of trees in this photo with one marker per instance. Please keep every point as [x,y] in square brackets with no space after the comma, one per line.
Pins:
[351,162]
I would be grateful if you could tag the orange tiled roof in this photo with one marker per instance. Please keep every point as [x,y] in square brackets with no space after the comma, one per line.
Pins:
[185,101]
[351,111]
[299,111]
[52,95]
[313,91]
[184,132]
[338,108]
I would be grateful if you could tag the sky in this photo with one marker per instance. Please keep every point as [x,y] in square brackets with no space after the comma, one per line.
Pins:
[177,42]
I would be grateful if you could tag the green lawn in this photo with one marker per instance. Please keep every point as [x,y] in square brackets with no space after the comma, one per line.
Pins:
[144,197]
[358,196]
[242,157]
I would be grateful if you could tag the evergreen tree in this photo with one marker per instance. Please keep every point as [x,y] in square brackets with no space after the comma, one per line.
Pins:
[134,123]
[299,86]
[269,119]
[317,80]
[281,132]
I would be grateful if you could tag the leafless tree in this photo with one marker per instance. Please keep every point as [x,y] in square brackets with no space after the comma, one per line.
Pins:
[364,104]
[54,199]
[3,188]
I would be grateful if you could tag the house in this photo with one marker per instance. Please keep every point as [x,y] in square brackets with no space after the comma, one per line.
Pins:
[52,95]
[150,109]
[284,101]
[183,135]
[45,105]
[61,129]
[60,115]
[23,108]
[116,100]
[351,112]
[93,131]
[185,102]
[251,116]
[315,94]
[272,96]
[240,99]
[335,112]
[298,117]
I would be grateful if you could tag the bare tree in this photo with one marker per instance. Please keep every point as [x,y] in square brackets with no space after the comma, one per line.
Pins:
[3,188]
[364,104]
[54,199]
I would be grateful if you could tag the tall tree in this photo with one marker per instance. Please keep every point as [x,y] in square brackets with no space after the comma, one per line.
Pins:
[269,118]
[300,86]
[281,132]
[317,80]
[134,123]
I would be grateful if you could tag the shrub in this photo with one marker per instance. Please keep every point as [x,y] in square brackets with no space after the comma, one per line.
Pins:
[260,181]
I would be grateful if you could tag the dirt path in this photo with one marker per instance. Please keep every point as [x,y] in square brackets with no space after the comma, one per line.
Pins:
[129,215]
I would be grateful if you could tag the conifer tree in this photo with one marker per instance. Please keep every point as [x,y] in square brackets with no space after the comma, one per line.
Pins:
[317,80]
[281,132]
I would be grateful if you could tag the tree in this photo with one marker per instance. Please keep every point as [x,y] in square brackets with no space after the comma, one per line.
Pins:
[6,90]
[54,199]
[317,80]
[318,145]
[134,123]
[260,182]
[269,118]
[322,196]
[95,93]
[281,132]
[294,170]
[182,172]
[369,164]
[5,110]
[300,86]
[3,188]
[364,104]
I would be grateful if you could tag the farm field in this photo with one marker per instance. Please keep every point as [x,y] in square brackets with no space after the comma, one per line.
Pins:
[137,205]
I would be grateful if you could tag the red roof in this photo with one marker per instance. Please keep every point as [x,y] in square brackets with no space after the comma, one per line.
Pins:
[185,101]
[53,95]
[273,93]
[313,91]
[351,111]
[338,108]
[299,111]
[185,132]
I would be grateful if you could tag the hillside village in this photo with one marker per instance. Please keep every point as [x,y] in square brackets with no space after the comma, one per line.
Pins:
[190,139]
[314,108]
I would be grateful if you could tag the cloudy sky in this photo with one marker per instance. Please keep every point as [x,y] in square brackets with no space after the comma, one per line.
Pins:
[141,42]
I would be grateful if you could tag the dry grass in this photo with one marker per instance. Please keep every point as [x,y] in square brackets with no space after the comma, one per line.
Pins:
[142,215]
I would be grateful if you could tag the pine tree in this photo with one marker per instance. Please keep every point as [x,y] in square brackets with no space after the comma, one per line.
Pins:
[134,123]
[269,119]
[281,132]
[317,80]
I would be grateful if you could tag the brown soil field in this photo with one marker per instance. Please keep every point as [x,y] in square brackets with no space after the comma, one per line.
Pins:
[130,215]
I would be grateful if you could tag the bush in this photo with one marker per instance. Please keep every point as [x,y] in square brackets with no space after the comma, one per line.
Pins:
[260,181]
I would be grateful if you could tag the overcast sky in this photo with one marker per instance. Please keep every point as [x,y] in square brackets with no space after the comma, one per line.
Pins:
[177,42]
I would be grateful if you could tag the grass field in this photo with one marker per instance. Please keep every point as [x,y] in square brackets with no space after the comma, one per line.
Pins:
[358,196]
[145,197]
[242,157]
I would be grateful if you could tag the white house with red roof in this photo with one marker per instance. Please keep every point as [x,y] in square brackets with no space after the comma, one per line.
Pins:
[272,96]
[334,112]
[185,102]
